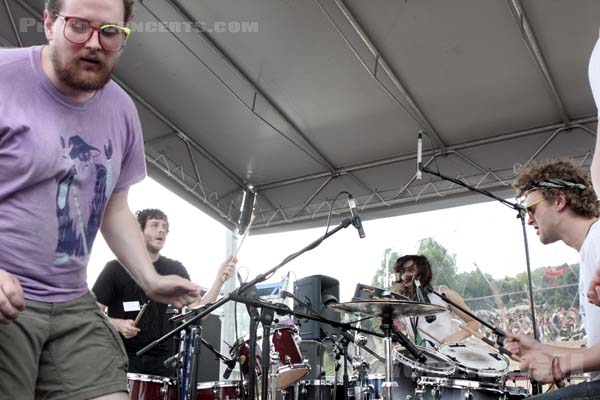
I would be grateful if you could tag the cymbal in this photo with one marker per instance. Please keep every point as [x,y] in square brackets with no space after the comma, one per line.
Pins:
[394,308]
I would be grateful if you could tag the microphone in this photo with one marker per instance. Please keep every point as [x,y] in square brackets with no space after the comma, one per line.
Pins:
[355,217]
[419,155]
[423,298]
[230,367]
[171,362]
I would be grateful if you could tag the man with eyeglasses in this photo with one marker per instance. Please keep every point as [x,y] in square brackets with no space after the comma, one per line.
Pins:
[70,147]
[139,321]
[561,205]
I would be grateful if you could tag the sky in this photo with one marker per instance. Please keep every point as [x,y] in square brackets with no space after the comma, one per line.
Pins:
[488,234]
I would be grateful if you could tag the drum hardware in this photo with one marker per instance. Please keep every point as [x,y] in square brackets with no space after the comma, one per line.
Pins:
[274,360]
[388,310]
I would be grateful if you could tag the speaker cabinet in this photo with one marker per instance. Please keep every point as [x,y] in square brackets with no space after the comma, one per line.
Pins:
[208,365]
[314,291]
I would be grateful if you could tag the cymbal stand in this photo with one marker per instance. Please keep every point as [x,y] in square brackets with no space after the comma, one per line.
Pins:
[266,319]
[386,326]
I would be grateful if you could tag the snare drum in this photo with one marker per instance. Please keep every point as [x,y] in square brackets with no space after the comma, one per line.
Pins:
[476,362]
[150,387]
[219,391]
[291,367]
[407,369]
[435,364]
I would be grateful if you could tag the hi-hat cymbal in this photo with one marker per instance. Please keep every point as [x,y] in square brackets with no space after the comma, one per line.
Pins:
[390,308]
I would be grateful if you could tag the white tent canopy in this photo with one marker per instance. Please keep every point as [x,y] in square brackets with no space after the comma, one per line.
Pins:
[298,100]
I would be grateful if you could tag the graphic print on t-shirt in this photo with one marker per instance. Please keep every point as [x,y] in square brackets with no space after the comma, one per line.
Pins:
[79,211]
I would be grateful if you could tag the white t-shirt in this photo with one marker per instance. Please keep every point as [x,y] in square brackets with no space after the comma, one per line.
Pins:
[445,324]
[594,74]
[589,257]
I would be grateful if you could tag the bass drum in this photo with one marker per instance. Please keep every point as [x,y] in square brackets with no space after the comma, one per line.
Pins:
[220,391]
[150,387]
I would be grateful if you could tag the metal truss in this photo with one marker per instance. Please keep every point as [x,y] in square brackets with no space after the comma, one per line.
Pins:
[487,180]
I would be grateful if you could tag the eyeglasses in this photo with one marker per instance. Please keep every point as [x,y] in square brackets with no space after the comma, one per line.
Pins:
[78,30]
[409,269]
[530,208]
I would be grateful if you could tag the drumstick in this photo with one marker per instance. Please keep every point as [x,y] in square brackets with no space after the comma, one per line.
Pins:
[430,335]
[139,316]
[491,343]
[237,251]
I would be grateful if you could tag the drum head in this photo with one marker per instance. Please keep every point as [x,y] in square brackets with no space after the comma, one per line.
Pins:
[475,359]
[436,363]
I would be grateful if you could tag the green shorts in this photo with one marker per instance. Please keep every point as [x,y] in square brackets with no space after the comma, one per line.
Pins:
[61,351]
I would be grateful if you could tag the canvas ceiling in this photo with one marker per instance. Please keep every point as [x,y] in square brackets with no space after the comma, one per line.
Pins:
[297,100]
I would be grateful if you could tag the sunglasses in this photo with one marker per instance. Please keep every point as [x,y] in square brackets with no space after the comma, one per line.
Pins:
[530,208]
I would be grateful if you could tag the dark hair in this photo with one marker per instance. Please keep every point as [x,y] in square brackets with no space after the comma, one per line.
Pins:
[423,267]
[150,213]
[581,199]
[54,7]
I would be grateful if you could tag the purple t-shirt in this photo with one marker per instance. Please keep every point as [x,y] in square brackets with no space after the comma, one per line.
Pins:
[60,161]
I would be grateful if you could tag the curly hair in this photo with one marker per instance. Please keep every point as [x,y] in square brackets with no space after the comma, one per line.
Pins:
[424,273]
[54,7]
[581,199]
[150,213]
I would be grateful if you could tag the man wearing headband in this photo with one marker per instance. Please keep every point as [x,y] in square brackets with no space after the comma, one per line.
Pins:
[562,206]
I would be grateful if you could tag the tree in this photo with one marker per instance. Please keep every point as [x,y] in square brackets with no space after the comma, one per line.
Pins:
[443,264]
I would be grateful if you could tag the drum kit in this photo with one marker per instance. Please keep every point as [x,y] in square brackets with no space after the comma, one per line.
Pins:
[454,371]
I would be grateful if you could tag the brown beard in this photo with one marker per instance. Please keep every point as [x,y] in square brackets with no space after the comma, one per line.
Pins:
[71,75]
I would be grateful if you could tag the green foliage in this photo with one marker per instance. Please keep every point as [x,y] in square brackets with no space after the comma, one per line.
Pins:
[442,263]
[479,288]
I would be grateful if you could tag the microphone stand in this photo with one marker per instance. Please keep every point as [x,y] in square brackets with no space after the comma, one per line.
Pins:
[521,215]
[207,309]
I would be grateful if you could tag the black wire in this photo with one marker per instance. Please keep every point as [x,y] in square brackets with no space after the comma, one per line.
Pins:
[331,208]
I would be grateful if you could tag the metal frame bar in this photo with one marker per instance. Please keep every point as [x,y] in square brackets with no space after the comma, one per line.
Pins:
[12,23]
[320,158]
[538,57]
[456,147]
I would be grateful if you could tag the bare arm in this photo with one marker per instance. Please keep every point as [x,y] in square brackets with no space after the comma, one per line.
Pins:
[124,326]
[469,321]
[595,168]
[226,271]
[122,234]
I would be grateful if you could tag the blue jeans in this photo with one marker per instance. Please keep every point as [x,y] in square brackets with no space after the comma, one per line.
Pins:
[581,391]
